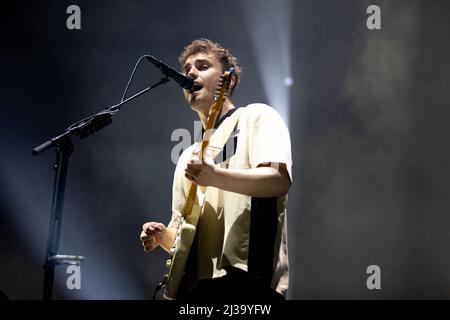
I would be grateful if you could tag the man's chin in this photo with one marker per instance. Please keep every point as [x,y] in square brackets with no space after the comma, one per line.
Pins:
[194,104]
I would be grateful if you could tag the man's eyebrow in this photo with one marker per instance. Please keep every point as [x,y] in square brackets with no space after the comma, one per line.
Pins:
[202,61]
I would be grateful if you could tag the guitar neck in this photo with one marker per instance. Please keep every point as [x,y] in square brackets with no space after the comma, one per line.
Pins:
[214,112]
[190,200]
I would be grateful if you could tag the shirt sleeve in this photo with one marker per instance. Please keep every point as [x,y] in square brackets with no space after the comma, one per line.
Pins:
[179,189]
[269,139]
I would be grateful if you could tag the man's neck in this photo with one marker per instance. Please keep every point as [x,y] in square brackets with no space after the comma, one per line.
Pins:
[227,106]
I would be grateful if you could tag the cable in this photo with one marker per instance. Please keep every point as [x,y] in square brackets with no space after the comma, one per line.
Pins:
[131,77]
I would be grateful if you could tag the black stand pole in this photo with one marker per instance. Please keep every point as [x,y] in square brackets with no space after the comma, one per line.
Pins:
[64,148]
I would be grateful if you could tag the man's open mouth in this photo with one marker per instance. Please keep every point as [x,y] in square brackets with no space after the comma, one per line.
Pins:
[196,88]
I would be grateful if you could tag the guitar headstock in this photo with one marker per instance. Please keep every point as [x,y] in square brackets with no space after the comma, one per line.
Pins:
[219,97]
[223,86]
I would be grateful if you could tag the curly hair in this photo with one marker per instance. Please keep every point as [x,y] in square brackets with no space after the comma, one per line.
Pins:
[204,45]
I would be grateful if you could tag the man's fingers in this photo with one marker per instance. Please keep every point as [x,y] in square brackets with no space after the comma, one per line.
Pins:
[148,247]
[194,168]
[148,243]
[151,234]
[146,226]
[149,228]
[192,172]
[190,176]
[146,237]
[143,236]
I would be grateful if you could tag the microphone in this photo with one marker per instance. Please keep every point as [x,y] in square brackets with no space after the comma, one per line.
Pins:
[184,81]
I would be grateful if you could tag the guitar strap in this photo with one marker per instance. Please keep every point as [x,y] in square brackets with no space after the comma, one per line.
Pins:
[224,131]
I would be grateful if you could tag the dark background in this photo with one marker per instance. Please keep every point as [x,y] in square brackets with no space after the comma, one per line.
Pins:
[369,111]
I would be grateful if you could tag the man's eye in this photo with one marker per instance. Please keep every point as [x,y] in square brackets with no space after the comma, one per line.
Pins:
[204,67]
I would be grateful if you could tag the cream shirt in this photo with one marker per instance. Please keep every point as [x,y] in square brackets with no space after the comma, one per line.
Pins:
[224,225]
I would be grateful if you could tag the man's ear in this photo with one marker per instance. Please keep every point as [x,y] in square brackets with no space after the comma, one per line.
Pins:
[232,82]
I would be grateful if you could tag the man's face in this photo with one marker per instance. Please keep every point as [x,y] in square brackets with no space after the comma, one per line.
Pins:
[205,69]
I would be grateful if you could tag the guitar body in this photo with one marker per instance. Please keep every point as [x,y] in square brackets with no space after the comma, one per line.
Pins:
[194,203]
[181,248]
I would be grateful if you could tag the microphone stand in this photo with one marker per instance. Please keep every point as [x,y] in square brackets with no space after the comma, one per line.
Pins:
[64,148]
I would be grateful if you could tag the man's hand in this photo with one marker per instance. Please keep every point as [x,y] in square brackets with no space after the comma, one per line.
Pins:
[152,235]
[203,172]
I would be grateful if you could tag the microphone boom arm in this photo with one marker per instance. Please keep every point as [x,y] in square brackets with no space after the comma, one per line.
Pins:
[64,148]
[96,122]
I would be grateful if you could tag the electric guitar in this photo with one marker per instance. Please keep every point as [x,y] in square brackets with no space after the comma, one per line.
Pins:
[194,202]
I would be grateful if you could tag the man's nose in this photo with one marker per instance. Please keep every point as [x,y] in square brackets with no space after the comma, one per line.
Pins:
[192,73]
